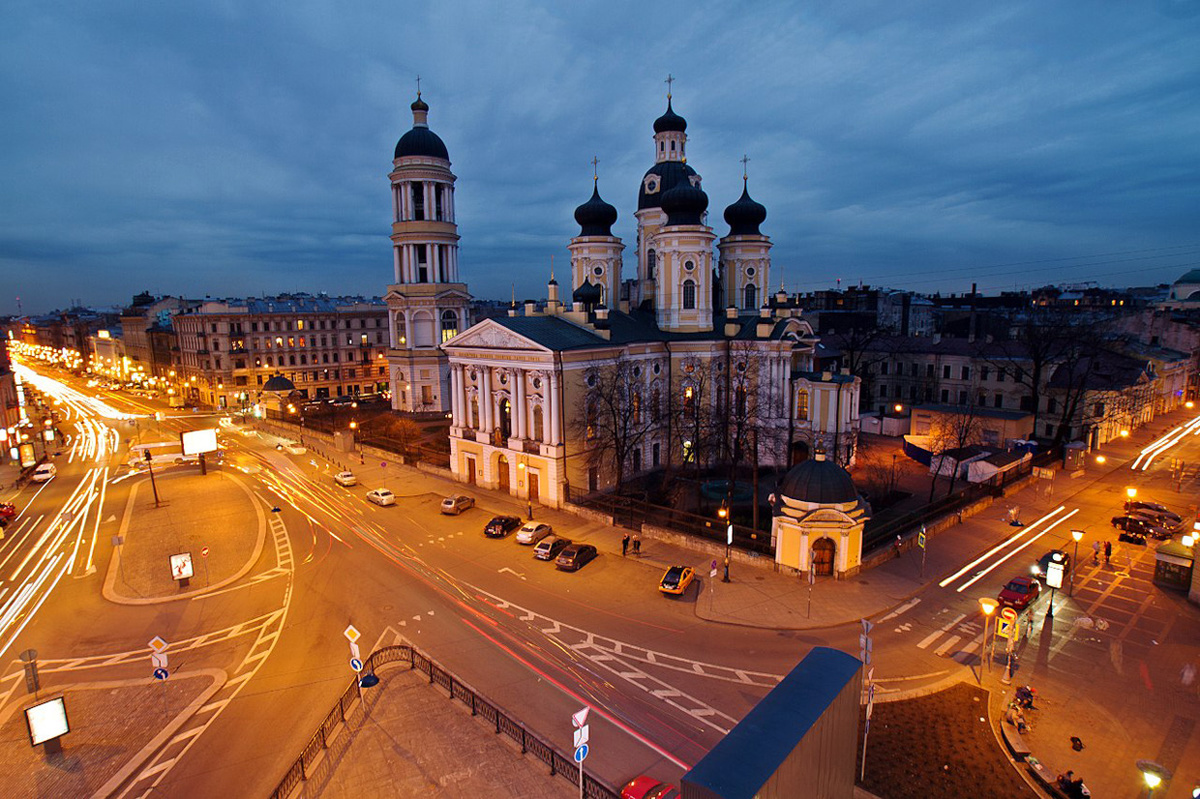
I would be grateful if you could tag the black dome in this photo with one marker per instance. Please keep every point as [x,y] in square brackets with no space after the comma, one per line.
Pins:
[670,121]
[419,104]
[279,383]
[745,215]
[595,217]
[589,294]
[421,141]
[684,204]
[670,174]
[818,480]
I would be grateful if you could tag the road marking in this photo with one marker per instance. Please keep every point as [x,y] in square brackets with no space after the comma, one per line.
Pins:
[945,647]
[506,569]
[907,606]
[929,639]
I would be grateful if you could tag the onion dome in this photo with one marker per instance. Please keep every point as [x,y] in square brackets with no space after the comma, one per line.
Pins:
[819,481]
[279,383]
[595,217]
[684,204]
[588,293]
[664,176]
[670,121]
[421,141]
[745,215]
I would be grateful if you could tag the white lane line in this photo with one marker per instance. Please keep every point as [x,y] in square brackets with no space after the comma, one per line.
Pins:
[998,547]
[1016,551]
[929,639]
[944,648]
[907,606]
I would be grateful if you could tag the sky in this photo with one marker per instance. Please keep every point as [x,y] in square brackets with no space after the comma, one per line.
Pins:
[231,148]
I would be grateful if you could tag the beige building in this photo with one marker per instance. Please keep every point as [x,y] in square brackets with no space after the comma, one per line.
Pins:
[818,520]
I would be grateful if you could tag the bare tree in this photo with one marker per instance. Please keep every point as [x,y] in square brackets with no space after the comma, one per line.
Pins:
[947,434]
[614,419]
[694,418]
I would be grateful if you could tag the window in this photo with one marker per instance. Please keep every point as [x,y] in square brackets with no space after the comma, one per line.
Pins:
[946,371]
[437,203]
[655,454]
[750,302]
[651,264]
[998,400]
[1049,430]
[1051,405]
[1000,375]
[537,422]
[966,373]
[418,200]
[689,295]
[802,405]
[962,397]
[945,396]
[449,325]
[983,373]
[422,265]
[929,370]
[883,367]
[689,400]
[912,370]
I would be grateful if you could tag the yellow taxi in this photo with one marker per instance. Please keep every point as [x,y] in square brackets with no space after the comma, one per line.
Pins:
[677,579]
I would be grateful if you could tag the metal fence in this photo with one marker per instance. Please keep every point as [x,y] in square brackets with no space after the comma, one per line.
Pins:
[633,513]
[495,718]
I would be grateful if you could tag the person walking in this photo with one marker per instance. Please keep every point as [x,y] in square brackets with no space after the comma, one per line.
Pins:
[1096,553]
[1107,552]
[624,544]
[637,544]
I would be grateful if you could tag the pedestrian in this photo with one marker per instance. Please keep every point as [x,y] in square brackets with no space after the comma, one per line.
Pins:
[637,544]
[1096,553]
[1107,552]
[897,545]
[624,544]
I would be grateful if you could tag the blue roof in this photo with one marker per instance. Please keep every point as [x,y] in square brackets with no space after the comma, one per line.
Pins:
[742,762]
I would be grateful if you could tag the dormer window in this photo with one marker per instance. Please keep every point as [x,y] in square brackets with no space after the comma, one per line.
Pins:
[651,184]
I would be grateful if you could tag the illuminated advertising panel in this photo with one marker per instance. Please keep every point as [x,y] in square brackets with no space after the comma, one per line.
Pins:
[47,720]
[181,566]
[197,442]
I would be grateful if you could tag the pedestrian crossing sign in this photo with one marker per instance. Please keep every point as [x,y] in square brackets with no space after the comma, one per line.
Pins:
[1007,628]
[921,539]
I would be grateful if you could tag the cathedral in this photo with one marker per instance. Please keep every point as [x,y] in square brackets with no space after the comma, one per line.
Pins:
[691,364]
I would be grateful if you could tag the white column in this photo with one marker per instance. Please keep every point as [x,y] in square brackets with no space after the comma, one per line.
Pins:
[554,402]
[430,208]
[455,405]
[519,410]
[485,400]
[396,261]
[395,203]
[449,200]
[462,396]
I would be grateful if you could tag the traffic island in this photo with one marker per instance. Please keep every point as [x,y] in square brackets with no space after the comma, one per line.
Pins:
[938,746]
[209,534]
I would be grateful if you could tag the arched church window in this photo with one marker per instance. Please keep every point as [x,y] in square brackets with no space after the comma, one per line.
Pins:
[651,264]
[505,418]
[802,405]
[537,422]
[689,295]
[474,420]
[751,297]
[449,325]
[401,331]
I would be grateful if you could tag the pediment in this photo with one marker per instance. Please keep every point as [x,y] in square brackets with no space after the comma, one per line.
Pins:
[489,335]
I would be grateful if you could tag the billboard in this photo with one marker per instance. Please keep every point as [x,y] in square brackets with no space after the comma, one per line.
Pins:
[196,442]
[181,566]
[47,720]
[27,457]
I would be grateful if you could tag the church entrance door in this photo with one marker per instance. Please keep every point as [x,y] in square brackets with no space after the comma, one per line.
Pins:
[502,473]
[471,471]
[823,550]
[532,477]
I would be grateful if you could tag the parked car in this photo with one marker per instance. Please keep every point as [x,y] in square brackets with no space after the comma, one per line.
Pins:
[549,547]
[345,479]
[1019,593]
[677,579]
[1040,568]
[381,496]
[44,472]
[532,532]
[1158,519]
[644,787]
[1131,537]
[452,506]
[8,512]
[501,526]
[1154,508]
[574,557]
[1142,527]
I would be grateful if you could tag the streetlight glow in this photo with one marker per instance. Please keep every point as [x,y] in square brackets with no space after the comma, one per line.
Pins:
[1131,492]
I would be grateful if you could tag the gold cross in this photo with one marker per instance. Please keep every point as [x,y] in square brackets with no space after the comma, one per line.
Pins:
[595,173]
[745,160]
[670,79]
[418,87]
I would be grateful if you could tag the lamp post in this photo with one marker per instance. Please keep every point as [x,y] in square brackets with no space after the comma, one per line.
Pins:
[723,513]
[988,605]
[1154,775]
[1077,535]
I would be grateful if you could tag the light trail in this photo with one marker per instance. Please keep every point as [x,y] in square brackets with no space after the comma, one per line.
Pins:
[1024,546]
[1024,531]
[1163,443]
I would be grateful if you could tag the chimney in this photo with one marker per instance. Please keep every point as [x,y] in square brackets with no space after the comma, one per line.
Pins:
[731,321]
[530,307]
[512,311]
[765,322]
[826,376]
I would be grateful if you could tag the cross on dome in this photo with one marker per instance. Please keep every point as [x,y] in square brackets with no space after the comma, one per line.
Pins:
[670,79]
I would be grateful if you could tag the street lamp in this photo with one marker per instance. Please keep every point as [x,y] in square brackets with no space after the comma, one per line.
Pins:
[1153,774]
[988,605]
[1077,535]
[1131,492]
[723,513]
[1101,459]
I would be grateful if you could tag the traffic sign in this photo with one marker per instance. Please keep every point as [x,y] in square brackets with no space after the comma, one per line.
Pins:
[921,539]
[1007,628]
[158,660]
[1054,574]
[352,634]
[158,644]
[356,664]
[581,753]
[1008,613]
[204,552]
[160,674]
[354,653]
[729,535]
[579,719]
[581,735]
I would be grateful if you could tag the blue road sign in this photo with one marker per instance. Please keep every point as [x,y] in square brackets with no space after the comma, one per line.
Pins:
[160,674]
[581,753]
[356,664]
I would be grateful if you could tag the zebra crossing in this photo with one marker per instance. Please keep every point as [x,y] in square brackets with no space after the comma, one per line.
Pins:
[958,639]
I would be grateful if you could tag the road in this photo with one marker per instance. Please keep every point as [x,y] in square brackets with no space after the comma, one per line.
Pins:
[663,684]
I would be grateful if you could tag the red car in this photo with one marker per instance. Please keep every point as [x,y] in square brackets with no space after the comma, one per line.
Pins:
[1019,593]
[8,512]
[644,787]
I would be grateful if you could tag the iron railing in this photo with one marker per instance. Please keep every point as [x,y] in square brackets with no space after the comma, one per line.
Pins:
[496,719]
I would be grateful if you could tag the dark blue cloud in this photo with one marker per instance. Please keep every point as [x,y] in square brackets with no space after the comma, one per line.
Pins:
[230,148]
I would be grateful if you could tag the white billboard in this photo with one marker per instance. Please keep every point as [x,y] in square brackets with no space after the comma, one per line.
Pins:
[196,442]
[181,566]
[47,720]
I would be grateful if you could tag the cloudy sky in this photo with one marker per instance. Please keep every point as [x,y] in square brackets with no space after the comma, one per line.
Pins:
[226,148]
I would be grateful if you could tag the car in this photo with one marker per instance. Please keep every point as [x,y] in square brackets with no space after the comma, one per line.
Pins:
[454,505]
[1019,593]
[549,547]
[345,479]
[8,512]
[532,532]
[44,472]
[291,448]
[676,580]
[501,526]
[381,497]
[644,787]
[1158,519]
[1130,537]
[1154,508]
[1142,527]
[1040,568]
[574,557]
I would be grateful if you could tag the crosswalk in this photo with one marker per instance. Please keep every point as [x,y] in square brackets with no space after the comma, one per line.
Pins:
[958,639]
